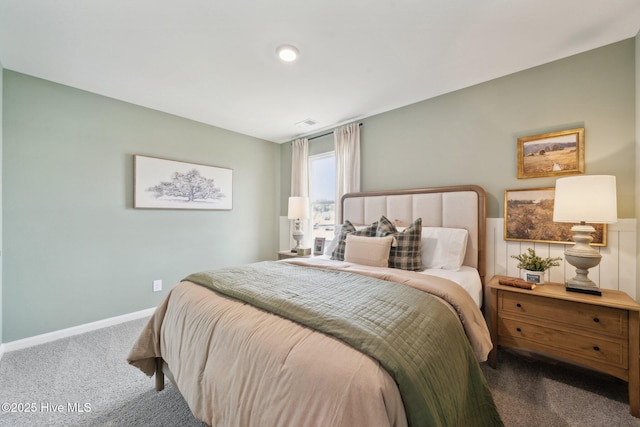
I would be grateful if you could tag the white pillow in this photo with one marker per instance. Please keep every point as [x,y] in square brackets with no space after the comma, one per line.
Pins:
[372,251]
[444,247]
[328,249]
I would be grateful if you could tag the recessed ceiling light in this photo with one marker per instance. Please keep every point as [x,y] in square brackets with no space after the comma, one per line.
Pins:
[287,53]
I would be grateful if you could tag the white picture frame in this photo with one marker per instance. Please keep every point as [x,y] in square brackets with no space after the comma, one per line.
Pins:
[171,184]
[318,245]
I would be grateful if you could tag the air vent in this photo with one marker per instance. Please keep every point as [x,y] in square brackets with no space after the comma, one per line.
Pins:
[306,123]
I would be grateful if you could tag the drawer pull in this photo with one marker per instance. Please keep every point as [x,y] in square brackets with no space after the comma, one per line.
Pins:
[518,305]
[595,319]
[596,348]
[518,329]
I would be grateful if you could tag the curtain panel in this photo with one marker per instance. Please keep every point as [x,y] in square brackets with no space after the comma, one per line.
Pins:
[300,184]
[347,148]
[300,167]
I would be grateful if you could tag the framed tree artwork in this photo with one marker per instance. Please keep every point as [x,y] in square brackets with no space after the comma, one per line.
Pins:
[528,217]
[171,184]
[551,154]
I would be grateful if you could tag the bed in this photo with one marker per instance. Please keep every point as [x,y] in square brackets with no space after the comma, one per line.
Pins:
[341,339]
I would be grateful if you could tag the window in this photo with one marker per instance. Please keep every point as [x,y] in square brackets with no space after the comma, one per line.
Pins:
[322,194]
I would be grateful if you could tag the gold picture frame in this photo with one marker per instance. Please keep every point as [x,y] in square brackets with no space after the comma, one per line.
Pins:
[551,154]
[528,217]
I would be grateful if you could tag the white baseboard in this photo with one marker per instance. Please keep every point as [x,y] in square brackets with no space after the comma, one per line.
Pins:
[76,330]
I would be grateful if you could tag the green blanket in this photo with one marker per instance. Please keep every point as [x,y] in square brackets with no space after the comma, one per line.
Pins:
[438,376]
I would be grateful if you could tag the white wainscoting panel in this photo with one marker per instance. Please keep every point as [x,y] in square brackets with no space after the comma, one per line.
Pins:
[617,269]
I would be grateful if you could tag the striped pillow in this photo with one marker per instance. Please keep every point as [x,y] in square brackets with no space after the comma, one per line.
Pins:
[349,228]
[406,254]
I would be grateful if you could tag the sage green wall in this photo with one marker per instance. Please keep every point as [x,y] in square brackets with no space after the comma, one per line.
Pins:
[1,246]
[75,250]
[470,136]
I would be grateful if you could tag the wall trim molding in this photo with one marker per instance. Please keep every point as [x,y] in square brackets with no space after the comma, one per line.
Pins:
[75,330]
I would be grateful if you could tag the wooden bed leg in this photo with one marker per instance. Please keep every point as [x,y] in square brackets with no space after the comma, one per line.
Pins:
[159,375]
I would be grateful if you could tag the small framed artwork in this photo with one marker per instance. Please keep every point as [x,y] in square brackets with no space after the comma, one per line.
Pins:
[528,217]
[171,184]
[551,154]
[536,277]
[318,246]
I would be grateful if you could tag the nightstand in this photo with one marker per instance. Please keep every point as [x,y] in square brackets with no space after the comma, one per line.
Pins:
[289,254]
[599,332]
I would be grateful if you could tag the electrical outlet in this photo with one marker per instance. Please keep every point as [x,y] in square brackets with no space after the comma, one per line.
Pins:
[157,285]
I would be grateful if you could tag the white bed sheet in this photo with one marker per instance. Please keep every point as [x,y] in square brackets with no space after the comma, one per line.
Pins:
[467,277]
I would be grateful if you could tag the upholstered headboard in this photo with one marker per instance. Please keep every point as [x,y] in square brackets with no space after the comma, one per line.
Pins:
[461,206]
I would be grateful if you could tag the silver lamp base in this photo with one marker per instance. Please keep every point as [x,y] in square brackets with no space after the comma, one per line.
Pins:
[583,257]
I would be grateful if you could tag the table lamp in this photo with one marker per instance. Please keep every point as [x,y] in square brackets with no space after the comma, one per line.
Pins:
[585,199]
[298,209]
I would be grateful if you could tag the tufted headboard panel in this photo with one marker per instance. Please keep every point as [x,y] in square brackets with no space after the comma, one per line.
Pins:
[461,206]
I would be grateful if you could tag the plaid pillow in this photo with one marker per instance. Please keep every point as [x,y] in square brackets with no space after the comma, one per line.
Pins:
[348,228]
[406,254]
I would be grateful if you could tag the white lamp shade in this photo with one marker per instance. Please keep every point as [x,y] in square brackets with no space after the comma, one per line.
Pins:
[588,198]
[298,208]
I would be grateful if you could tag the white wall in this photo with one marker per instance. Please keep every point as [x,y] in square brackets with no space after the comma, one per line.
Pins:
[617,269]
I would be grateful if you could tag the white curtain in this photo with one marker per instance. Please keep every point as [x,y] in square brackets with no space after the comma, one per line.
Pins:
[300,167]
[347,147]
[300,182]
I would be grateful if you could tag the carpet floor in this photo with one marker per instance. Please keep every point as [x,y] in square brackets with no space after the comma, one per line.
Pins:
[85,380]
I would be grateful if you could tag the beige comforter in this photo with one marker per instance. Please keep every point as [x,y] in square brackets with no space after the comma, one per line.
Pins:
[239,366]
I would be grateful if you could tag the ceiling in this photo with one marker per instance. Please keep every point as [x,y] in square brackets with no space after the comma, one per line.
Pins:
[214,61]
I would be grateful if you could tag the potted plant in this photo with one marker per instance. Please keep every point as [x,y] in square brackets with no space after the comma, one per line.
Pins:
[535,266]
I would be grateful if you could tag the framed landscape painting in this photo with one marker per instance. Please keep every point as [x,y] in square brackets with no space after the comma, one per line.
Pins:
[171,184]
[551,154]
[528,216]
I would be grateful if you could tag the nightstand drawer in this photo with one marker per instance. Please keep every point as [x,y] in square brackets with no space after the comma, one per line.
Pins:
[601,332]
[591,350]
[587,317]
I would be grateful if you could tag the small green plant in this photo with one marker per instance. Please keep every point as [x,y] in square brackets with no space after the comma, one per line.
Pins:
[532,262]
